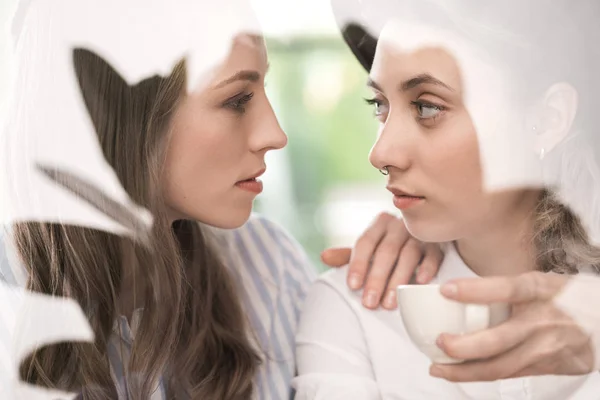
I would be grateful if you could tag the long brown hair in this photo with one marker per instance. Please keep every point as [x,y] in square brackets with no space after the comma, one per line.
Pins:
[192,331]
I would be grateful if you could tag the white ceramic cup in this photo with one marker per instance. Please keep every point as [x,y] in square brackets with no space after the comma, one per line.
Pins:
[426,314]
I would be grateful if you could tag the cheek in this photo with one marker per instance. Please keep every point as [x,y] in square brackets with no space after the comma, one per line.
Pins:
[205,143]
[458,159]
[200,163]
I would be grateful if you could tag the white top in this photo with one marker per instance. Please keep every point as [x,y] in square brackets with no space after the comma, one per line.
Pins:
[345,351]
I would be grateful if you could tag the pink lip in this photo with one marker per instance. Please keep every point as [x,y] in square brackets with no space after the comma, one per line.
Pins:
[404,200]
[400,192]
[252,184]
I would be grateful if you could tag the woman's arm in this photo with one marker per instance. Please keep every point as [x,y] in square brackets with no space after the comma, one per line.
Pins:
[331,351]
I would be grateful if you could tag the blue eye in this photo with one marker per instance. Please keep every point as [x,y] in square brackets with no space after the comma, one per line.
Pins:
[239,102]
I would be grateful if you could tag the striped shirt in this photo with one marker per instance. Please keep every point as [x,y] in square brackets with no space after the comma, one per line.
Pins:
[274,274]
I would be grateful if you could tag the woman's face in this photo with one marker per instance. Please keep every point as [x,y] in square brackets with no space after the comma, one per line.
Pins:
[218,140]
[430,146]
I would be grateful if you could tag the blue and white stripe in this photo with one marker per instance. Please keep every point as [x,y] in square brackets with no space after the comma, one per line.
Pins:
[275,275]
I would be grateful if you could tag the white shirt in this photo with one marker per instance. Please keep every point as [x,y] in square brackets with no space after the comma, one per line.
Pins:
[345,351]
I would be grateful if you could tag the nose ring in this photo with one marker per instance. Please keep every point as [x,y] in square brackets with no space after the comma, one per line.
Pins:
[384,171]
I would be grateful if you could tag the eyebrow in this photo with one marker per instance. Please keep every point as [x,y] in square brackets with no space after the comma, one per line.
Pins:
[244,75]
[412,83]
[372,84]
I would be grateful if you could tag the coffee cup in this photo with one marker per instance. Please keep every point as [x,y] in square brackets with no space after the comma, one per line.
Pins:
[426,314]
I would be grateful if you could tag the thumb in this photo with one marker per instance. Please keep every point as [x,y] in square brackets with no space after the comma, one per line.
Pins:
[336,257]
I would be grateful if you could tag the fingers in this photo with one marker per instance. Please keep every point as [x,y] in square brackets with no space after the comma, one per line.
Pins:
[431,263]
[536,355]
[523,288]
[571,364]
[336,257]
[384,261]
[475,371]
[487,343]
[502,367]
[407,263]
[411,254]
[365,248]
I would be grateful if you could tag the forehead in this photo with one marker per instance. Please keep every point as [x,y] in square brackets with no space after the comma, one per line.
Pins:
[410,35]
[247,52]
[411,47]
[248,48]
[393,66]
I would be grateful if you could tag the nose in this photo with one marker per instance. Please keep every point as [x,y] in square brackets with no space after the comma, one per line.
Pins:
[393,147]
[267,133]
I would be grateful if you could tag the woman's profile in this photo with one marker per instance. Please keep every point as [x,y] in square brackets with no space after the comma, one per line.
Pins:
[487,135]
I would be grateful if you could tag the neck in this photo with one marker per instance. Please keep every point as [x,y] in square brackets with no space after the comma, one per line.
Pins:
[504,247]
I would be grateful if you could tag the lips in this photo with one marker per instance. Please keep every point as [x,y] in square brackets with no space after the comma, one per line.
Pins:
[254,176]
[401,193]
[252,183]
[404,200]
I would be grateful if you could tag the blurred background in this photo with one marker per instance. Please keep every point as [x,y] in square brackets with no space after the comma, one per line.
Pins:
[321,188]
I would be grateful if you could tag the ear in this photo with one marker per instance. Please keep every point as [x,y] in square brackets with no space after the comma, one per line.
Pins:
[556,116]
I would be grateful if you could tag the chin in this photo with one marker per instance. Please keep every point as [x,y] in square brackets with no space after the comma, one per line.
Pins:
[230,223]
[227,219]
[219,214]
[430,232]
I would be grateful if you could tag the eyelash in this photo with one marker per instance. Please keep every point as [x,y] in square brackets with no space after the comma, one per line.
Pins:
[374,102]
[239,102]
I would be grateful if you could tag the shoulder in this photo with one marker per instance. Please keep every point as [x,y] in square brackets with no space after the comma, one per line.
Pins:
[331,297]
[334,281]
